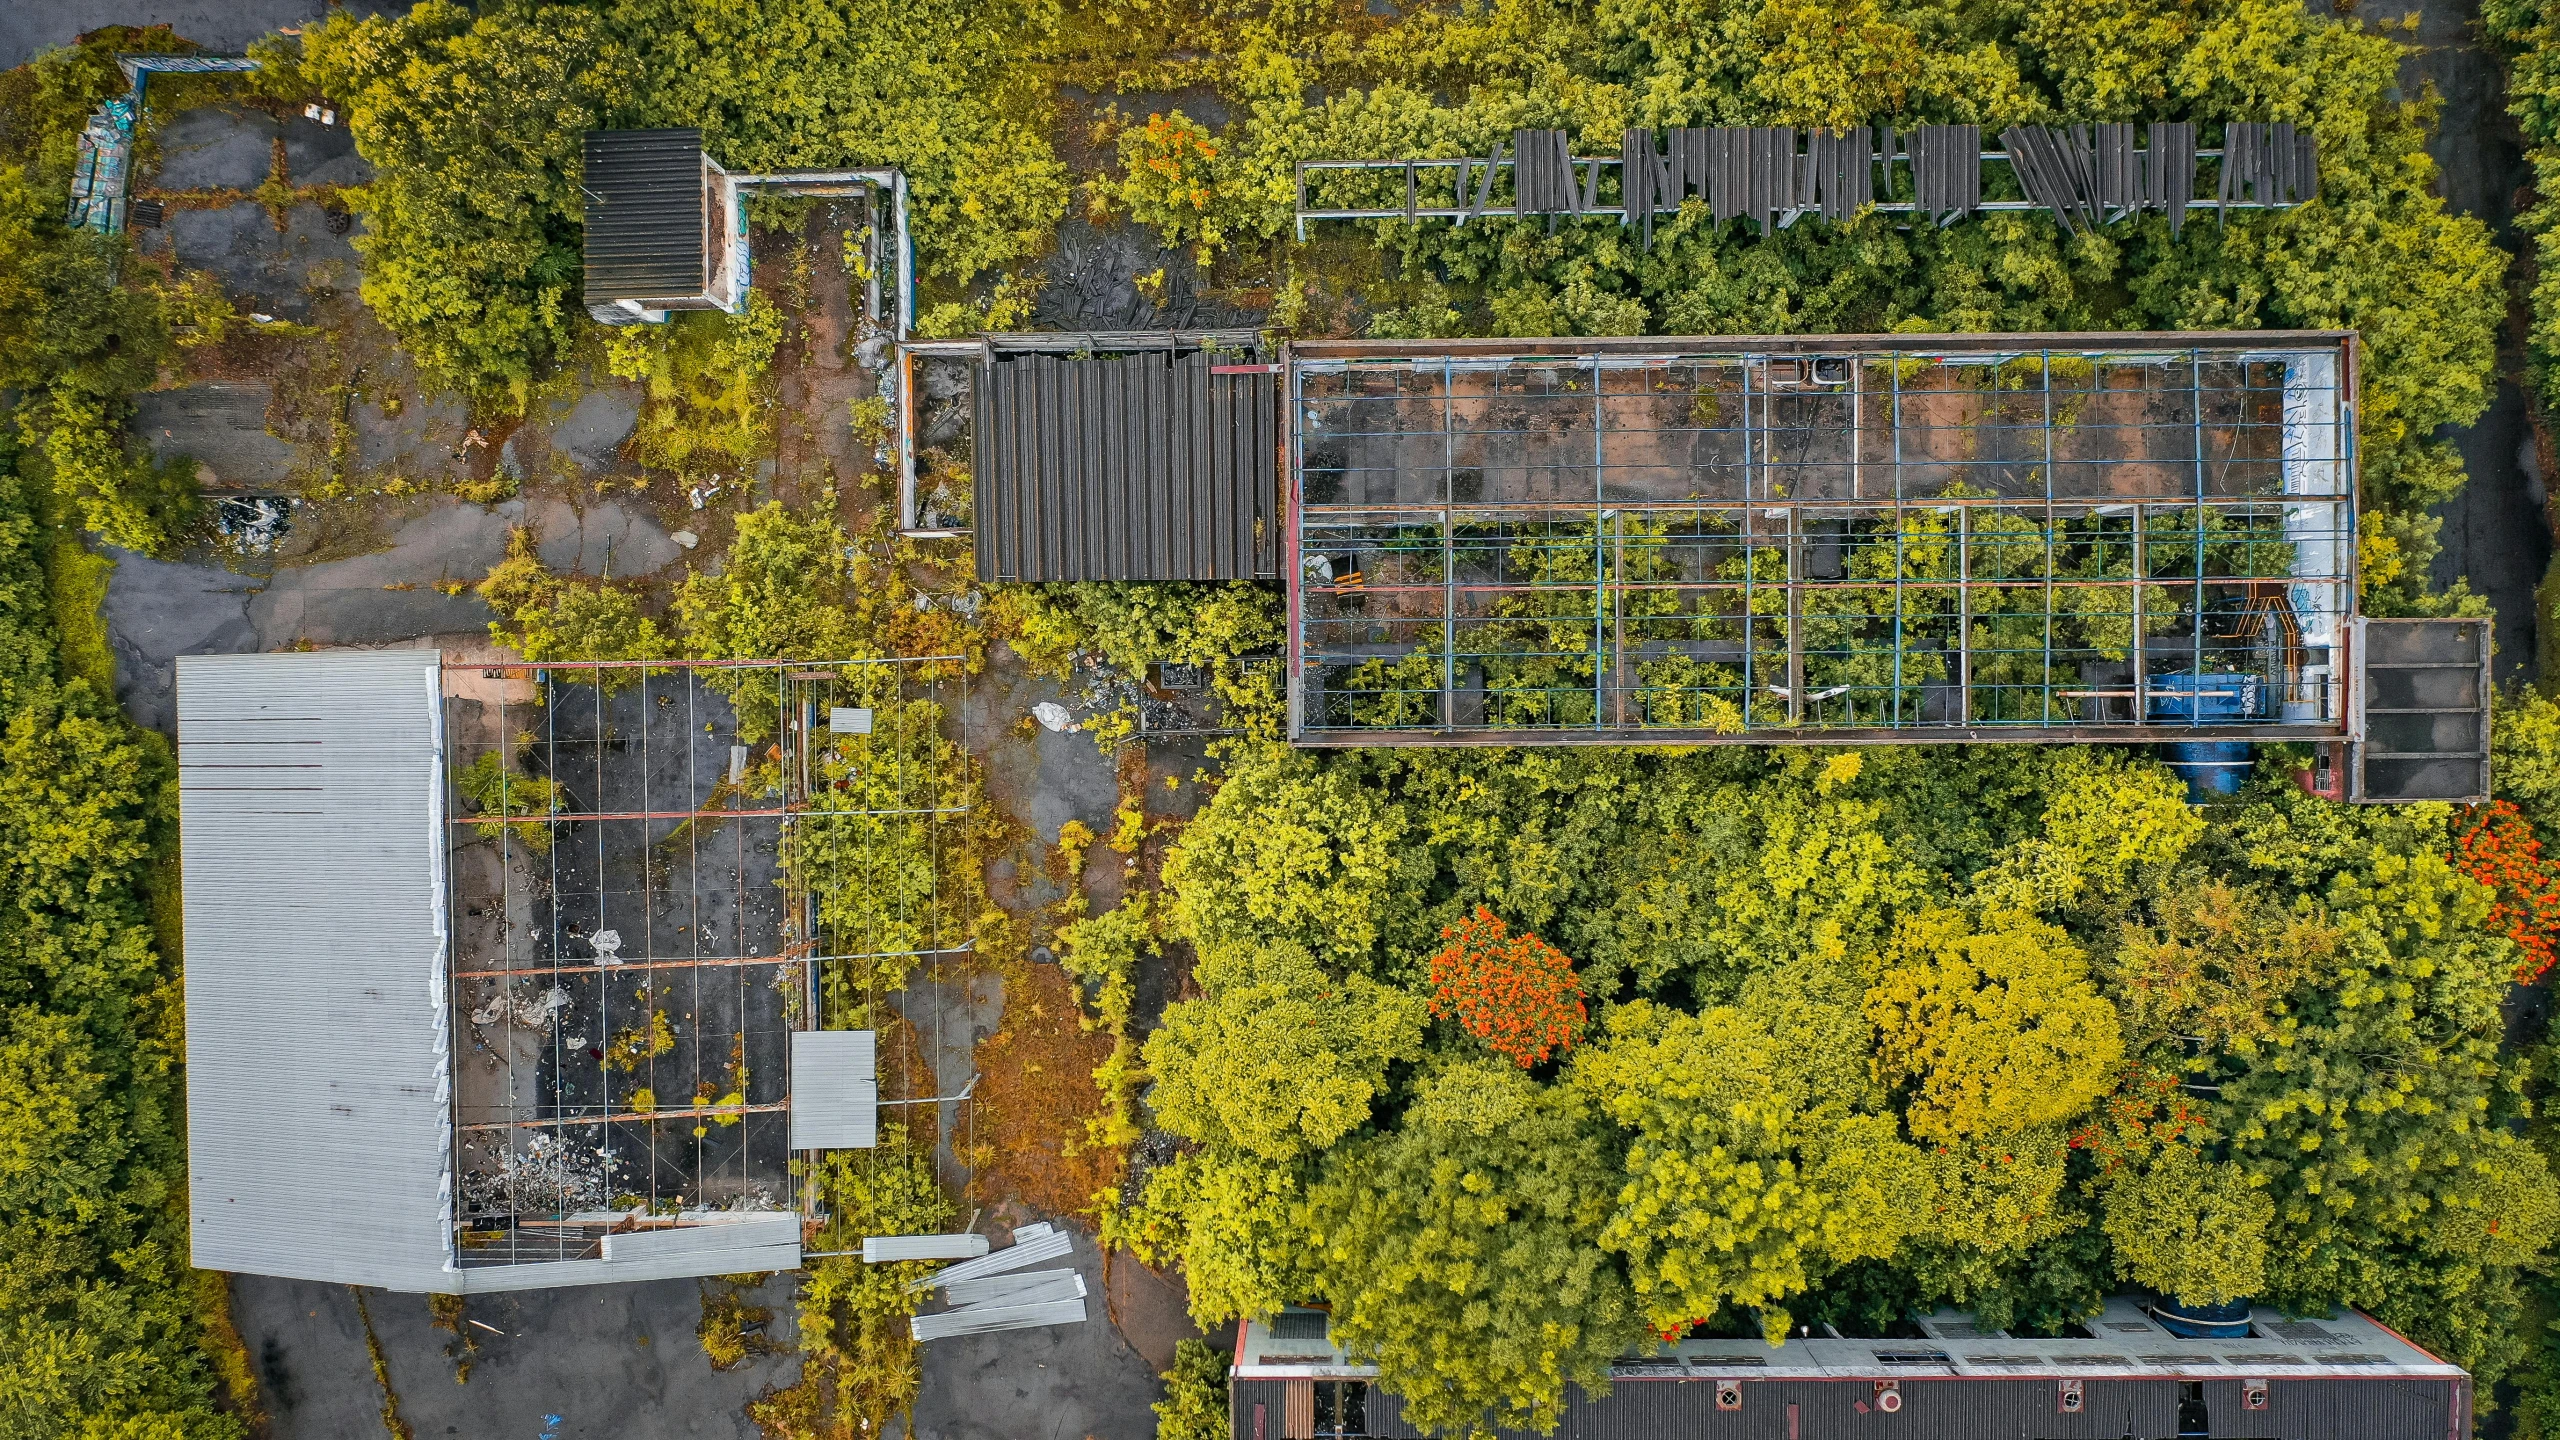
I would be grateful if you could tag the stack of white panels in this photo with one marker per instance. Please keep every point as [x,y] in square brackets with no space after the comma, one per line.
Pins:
[996,1292]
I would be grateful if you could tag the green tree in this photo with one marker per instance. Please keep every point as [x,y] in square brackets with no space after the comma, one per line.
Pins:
[1194,1406]
[1235,1223]
[473,124]
[1745,1185]
[2190,1228]
[1280,1058]
[1461,1252]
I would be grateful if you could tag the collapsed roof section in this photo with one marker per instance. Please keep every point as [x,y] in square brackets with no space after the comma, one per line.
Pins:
[539,948]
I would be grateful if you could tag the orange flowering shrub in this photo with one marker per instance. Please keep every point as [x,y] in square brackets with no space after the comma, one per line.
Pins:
[1516,993]
[1169,180]
[2499,850]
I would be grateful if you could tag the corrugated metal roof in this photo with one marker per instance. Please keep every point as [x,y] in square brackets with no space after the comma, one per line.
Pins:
[723,1239]
[1126,467]
[646,231]
[1026,1249]
[835,1090]
[310,821]
[986,1319]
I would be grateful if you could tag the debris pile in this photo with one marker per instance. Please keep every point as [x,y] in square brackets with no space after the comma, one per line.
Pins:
[996,1291]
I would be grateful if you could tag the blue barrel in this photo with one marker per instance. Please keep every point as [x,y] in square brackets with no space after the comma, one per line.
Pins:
[2213,769]
[2203,1322]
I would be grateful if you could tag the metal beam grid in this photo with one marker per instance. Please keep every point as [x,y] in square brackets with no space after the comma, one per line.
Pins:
[1852,538]
[651,869]
[2266,169]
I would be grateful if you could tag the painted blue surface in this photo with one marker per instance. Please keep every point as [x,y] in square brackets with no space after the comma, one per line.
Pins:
[2204,1322]
[2213,769]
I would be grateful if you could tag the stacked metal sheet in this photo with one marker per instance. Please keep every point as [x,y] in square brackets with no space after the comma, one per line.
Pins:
[886,1249]
[1946,170]
[2093,174]
[997,1292]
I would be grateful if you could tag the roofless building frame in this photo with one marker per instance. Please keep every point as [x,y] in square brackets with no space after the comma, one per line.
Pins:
[1836,538]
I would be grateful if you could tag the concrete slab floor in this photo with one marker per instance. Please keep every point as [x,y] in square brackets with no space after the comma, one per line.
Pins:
[614,1361]
[158,610]
[1063,1382]
[222,426]
[216,147]
[271,271]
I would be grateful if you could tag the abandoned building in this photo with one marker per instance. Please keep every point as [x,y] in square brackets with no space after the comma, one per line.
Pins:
[2127,1373]
[506,977]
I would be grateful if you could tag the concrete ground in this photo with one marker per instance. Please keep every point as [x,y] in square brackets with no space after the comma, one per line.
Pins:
[614,1362]
[1064,1382]
[2494,531]
[158,610]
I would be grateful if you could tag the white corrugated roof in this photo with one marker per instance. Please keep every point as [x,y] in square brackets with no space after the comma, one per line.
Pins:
[835,1090]
[318,1080]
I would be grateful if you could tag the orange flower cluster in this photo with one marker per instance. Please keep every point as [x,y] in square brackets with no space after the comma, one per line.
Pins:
[1168,142]
[1516,993]
[2499,850]
[2151,1110]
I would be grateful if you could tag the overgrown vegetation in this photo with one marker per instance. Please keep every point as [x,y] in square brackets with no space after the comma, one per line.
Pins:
[2005,1029]
[2378,253]
[100,1317]
[473,118]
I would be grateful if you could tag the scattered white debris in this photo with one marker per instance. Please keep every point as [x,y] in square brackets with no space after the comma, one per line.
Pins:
[607,943]
[531,1012]
[1053,715]
[686,538]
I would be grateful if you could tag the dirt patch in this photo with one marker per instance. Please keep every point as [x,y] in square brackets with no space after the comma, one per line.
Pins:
[1035,1093]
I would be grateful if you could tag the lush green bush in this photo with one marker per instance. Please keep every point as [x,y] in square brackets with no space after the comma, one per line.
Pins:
[1194,1406]
[473,122]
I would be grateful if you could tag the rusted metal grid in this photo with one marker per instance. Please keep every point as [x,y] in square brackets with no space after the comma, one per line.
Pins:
[692,842]
[1835,538]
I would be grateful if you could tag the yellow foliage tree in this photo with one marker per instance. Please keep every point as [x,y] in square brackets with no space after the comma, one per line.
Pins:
[1997,1030]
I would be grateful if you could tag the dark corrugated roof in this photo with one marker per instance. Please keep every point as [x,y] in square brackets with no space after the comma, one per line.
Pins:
[1126,467]
[1944,1407]
[644,214]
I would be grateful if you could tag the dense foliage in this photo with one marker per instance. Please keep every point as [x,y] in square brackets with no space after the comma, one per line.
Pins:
[97,1305]
[473,118]
[2005,1028]
[2378,253]
[74,344]
[2529,32]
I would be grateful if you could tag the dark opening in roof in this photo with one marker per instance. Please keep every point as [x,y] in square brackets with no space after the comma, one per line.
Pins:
[644,200]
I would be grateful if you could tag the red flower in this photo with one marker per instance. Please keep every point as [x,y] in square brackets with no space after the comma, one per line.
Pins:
[2499,850]
[1517,993]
